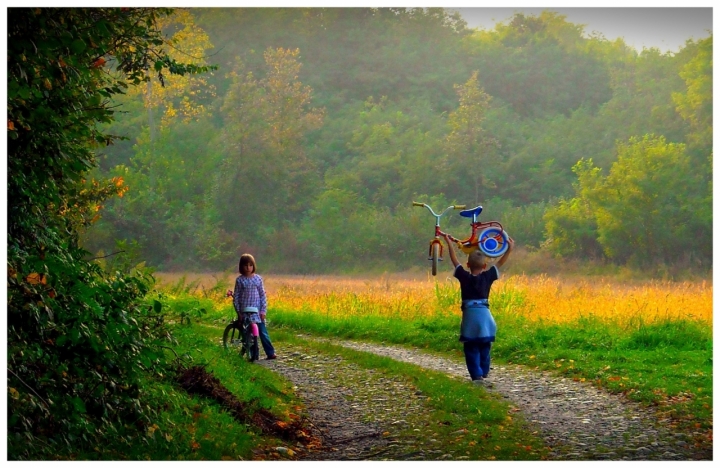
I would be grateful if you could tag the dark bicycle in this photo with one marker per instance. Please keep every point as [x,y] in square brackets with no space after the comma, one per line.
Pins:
[244,335]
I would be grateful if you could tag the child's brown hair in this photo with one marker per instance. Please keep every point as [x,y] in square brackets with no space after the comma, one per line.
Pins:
[477,259]
[247,259]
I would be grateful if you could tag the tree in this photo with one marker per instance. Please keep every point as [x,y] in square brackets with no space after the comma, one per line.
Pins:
[166,99]
[645,211]
[177,95]
[645,207]
[266,168]
[695,105]
[471,159]
[78,339]
[570,226]
[349,54]
[540,65]
[170,210]
[392,152]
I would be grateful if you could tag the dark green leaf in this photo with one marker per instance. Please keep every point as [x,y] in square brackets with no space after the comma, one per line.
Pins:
[78,46]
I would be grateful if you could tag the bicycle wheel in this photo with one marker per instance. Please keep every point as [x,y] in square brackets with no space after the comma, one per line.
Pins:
[254,350]
[435,253]
[493,242]
[250,346]
[232,336]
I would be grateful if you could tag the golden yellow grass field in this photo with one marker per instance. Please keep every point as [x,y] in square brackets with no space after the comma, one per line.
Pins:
[536,297]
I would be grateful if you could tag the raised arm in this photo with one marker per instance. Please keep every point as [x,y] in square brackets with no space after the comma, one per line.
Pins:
[503,259]
[451,250]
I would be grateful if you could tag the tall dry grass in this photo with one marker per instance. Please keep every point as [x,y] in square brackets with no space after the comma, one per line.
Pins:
[550,299]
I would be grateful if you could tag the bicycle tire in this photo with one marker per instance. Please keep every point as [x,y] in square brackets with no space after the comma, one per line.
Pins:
[232,336]
[435,254]
[250,346]
[254,349]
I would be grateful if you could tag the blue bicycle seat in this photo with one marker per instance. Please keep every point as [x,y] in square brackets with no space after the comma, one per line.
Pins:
[471,213]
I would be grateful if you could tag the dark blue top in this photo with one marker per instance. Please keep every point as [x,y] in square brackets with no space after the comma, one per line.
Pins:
[476,286]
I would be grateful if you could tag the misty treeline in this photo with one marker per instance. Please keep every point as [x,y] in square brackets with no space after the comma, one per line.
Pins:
[320,127]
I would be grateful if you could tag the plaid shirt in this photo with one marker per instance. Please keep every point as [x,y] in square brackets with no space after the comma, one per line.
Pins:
[250,292]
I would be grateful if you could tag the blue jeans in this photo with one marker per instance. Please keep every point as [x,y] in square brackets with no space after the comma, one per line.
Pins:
[477,358]
[265,340]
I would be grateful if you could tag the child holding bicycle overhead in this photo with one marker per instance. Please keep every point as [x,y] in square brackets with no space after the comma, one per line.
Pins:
[249,297]
[477,329]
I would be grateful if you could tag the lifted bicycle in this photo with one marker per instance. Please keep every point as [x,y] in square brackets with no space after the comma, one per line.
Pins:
[489,237]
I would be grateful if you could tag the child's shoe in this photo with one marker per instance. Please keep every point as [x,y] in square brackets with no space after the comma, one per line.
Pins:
[482,382]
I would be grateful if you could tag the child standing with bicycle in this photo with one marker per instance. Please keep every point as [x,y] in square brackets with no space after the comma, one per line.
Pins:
[477,329]
[249,297]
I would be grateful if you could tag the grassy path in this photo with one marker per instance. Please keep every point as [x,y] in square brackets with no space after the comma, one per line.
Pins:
[577,420]
[369,407]
[379,402]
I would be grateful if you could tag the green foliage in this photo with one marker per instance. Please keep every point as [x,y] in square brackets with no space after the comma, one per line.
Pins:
[645,207]
[335,43]
[169,208]
[471,164]
[524,223]
[79,340]
[305,112]
[538,65]
[265,166]
[570,226]
[392,150]
[696,104]
[644,211]
[375,239]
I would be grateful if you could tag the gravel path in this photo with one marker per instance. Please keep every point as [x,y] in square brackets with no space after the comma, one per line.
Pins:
[358,413]
[361,415]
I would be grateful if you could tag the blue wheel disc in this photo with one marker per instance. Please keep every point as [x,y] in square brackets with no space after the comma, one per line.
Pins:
[490,244]
[493,242]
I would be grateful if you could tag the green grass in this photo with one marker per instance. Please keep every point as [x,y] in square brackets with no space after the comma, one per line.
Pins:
[667,365]
[182,427]
[187,428]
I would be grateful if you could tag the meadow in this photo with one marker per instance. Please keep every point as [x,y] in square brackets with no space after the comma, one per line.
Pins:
[649,340]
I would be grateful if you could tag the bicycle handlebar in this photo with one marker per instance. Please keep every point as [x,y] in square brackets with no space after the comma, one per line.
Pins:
[455,207]
[436,215]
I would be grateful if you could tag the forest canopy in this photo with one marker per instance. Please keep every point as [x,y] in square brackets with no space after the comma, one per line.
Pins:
[321,126]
